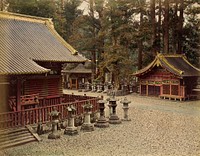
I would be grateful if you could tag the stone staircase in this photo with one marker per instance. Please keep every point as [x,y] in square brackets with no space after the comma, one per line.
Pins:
[17,136]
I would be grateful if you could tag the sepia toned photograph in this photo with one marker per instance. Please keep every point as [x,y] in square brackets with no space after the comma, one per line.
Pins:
[99,77]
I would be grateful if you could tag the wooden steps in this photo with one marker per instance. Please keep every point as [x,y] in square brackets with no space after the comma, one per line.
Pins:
[17,136]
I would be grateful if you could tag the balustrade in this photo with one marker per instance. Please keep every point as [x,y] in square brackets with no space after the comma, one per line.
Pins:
[41,114]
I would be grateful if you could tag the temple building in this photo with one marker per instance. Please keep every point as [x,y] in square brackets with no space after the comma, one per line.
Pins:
[168,76]
[32,55]
[76,77]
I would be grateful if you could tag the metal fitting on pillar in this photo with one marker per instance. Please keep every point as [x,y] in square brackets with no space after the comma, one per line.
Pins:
[125,107]
[87,125]
[71,129]
[102,122]
[55,120]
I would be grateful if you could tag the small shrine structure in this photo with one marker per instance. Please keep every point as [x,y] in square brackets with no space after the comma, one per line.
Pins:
[168,76]
[75,78]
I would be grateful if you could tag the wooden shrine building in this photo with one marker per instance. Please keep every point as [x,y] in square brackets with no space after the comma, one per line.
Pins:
[168,76]
[77,76]
[31,57]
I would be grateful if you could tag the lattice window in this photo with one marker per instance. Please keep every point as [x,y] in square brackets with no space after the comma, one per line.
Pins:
[143,89]
[174,89]
[153,90]
[166,89]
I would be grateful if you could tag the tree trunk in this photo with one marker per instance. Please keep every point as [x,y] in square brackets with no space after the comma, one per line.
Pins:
[93,52]
[180,28]
[166,27]
[1,5]
[153,24]
[174,29]
[159,26]
[140,46]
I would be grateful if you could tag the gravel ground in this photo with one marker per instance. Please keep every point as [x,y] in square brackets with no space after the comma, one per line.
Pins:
[157,128]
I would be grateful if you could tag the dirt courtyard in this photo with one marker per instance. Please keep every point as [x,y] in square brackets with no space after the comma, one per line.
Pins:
[157,128]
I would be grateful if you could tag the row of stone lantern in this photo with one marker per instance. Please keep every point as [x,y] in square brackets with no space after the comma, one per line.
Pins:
[96,87]
[87,125]
[104,87]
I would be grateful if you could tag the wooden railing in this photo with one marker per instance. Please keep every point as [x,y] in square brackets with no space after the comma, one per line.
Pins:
[72,98]
[44,101]
[50,100]
[41,114]
[29,99]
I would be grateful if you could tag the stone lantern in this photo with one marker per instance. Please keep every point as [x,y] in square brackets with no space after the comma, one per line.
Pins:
[87,87]
[71,129]
[125,107]
[55,120]
[93,87]
[99,87]
[87,125]
[105,87]
[109,106]
[113,119]
[102,122]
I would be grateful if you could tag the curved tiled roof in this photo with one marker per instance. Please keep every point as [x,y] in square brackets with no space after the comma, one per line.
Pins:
[25,39]
[79,69]
[175,64]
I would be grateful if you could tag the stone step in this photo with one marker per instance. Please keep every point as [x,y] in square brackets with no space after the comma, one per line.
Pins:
[19,142]
[12,131]
[13,137]
[17,136]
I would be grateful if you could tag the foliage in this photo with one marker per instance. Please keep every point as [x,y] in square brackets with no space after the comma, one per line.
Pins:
[121,35]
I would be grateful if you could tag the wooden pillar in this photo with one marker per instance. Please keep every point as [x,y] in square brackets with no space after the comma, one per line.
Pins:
[140,89]
[76,83]
[18,94]
[147,90]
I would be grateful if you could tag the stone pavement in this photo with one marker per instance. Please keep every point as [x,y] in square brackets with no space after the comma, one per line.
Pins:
[157,128]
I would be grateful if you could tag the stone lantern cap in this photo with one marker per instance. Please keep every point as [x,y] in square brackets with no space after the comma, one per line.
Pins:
[88,105]
[111,98]
[101,101]
[71,108]
[54,112]
[125,101]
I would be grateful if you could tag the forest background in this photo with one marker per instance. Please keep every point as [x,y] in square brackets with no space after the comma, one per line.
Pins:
[121,36]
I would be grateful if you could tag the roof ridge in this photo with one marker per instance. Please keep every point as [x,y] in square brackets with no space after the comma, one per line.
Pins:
[23,17]
[170,55]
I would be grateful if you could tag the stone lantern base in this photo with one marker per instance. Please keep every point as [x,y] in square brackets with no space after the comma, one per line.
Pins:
[71,131]
[101,123]
[114,119]
[53,136]
[87,127]
[126,119]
